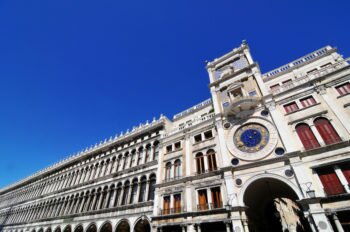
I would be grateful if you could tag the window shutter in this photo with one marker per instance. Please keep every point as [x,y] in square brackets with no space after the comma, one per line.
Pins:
[330,181]
[326,130]
[306,136]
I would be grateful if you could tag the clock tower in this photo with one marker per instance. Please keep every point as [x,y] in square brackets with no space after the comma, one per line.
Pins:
[246,130]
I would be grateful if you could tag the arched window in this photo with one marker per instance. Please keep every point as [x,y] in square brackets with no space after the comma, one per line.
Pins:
[133,157]
[126,193]
[327,131]
[98,196]
[167,171]
[148,153]
[134,191]
[143,189]
[152,188]
[177,169]
[119,162]
[126,160]
[140,157]
[155,150]
[111,192]
[200,163]
[306,136]
[118,194]
[211,160]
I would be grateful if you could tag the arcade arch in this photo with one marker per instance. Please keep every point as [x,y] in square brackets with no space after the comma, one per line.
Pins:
[271,206]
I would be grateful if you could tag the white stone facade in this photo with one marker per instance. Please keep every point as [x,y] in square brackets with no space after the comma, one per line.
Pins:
[267,152]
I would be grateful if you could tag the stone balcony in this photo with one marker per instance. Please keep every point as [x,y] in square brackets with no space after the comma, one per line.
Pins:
[314,75]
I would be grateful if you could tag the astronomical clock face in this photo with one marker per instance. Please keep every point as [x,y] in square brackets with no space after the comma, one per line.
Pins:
[253,140]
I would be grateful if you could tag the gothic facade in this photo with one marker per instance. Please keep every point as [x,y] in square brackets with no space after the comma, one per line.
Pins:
[267,152]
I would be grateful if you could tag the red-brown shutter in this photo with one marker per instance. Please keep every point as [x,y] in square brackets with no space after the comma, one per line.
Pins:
[166,205]
[330,181]
[306,136]
[202,199]
[327,131]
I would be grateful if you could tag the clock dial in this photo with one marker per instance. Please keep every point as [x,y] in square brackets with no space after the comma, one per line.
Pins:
[251,138]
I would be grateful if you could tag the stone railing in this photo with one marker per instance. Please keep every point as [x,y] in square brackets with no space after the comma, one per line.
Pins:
[193,123]
[299,61]
[192,109]
[308,77]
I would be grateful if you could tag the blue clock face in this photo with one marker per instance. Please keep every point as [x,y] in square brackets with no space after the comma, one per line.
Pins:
[251,138]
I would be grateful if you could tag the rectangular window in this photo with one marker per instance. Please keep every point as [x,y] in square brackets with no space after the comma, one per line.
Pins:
[177,203]
[252,93]
[311,71]
[343,89]
[202,199]
[308,101]
[208,134]
[197,138]
[330,181]
[287,82]
[216,198]
[166,205]
[169,148]
[177,145]
[291,107]
[275,87]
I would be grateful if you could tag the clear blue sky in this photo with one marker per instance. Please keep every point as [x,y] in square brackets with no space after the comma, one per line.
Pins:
[75,72]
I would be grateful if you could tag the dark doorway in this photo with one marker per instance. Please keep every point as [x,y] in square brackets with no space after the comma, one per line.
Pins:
[172,229]
[107,227]
[272,207]
[142,226]
[123,227]
[213,227]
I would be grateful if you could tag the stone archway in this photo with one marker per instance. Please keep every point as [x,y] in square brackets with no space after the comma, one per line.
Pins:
[79,229]
[272,207]
[58,229]
[92,228]
[123,226]
[142,225]
[107,227]
[67,229]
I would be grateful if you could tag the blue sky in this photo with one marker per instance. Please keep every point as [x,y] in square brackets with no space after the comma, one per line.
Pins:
[75,72]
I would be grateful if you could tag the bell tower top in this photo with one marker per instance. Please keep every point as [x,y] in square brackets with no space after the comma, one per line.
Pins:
[235,82]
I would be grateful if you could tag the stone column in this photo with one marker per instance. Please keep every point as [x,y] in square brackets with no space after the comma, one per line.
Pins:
[83,202]
[100,200]
[245,222]
[342,178]
[115,167]
[109,167]
[93,172]
[198,227]
[337,223]
[105,205]
[227,224]
[114,194]
[83,176]
[93,201]
[103,169]
[129,195]
[147,191]
[88,175]
[317,134]
[319,218]
[98,171]
[138,192]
